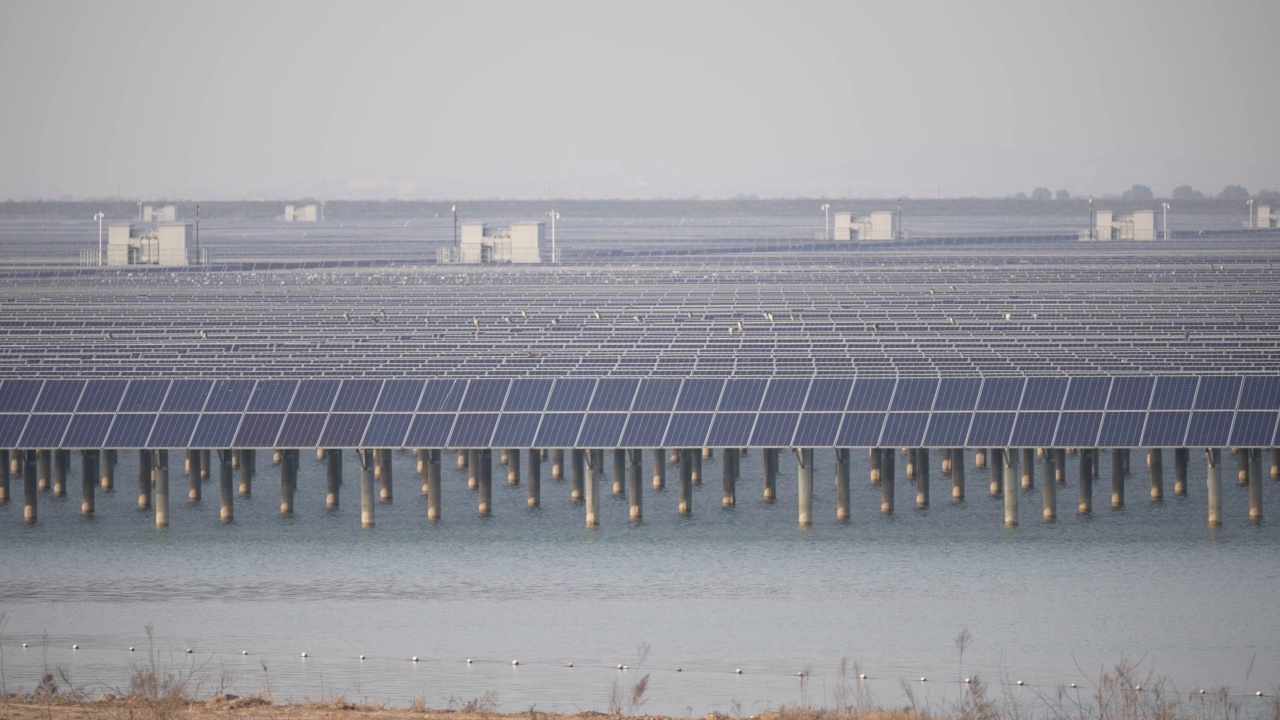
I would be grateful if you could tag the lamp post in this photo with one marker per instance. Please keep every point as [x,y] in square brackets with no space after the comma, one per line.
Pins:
[826,222]
[554,216]
[1164,206]
[99,216]
[1249,218]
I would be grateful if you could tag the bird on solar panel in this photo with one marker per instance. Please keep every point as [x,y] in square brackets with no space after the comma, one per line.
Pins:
[524,314]
[203,335]
[637,319]
[475,321]
[597,314]
[346,316]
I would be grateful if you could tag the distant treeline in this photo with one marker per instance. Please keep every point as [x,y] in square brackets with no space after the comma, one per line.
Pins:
[342,210]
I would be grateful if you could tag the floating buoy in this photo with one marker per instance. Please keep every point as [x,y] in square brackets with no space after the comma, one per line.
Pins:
[75,647]
[1020,683]
[304,654]
[361,657]
[1258,693]
[130,648]
[924,679]
[24,645]
[242,652]
[619,667]
[1201,691]
[863,676]
[1074,685]
[515,662]
[414,659]
[188,651]
[968,681]
[468,661]
[737,671]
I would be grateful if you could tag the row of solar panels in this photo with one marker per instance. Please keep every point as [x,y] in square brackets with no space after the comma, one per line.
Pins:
[1206,428]
[648,394]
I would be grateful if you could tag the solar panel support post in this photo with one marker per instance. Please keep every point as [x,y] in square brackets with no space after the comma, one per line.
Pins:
[535,478]
[502,457]
[4,477]
[1242,466]
[513,467]
[1117,478]
[332,477]
[473,469]
[193,477]
[842,484]
[45,469]
[384,475]
[1049,489]
[957,474]
[996,460]
[686,482]
[107,469]
[635,488]
[1180,471]
[1155,466]
[30,489]
[226,493]
[769,456]
[922,477]
[1086,480]
[576,461]
[1010,474]
[729,490]
[1255,484]
[1213,484]
[874,459]
[659,468]
[144,479]
[1028,469]
[695,457]
[433,486]
[619,472]
[367,500]
[557,464]
[591,488]
[246,472]
[945,465]
[887,459]
[980,458]
[88,481]
[161,469]
[804,485]
[1275,464]
[464,457]
[1060,466]
[204,465]
[288,479]
[485,504]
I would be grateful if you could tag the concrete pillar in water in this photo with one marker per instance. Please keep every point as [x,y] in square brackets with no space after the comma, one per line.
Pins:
[107,468]
[1117,478]
[1060,465]
[1255,484]
[486,482]
[1155,465]
[591,488]
[162,488]
[535,478]
[922,477]
[1010,475]
[909,454]
[288,480]
[770,458]
[995,460]
[873,456]
[1275,463]
[205,456]
[1049,489]
[557,464]
[675,456]
[276,456]
[1213,483]
[30,488]
[887,459]
[332,477]
[729,485]
[1242,466]
[225,486]
[196,460]
[424,461]
[1028,469]
[14,461]
[1180,457]
[980,458]
[696,456]
[659,469]
[957,474]
[686,482]
[502,457]
[45,468]
[433,486]
[60,473]
[706,453]
[576,460]
[321,454]
[619,472]
[145,458]
[88,480]
[4,477]
[246,472]
[473,469]
[635,488]
[842,484]
[367,493]
[1086,480]
[384,478]
[513,467]
[464,458]
[804,485]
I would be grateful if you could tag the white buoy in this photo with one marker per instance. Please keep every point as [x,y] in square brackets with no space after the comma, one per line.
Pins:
[24,645]
[188,651]
[626,667]
[1074,685]
[737,671]
[244,652]
[130,648]
[968,681]
[1201,691]
[863,676]
[1258,693]
[468,661]
[924,679]
[414,658]
[304,654]
[361,657]
[619,666]
[1020,683]
[75,647]
[515,662]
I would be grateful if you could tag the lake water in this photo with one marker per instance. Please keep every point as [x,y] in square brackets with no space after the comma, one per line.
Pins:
[726,589]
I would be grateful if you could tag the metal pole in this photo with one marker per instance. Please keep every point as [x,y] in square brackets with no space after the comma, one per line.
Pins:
[1213,483]
[804,485]
[227,512]
[535,478]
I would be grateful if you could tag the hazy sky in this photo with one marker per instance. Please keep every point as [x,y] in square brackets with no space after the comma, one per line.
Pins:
[635,99]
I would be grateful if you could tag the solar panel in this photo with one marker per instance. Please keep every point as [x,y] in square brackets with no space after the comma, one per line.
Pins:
[428,430]
[11,426]
[362,396]
[259,430]
[731,429]
[19,395]
[1034,429]
[44,431]
[602,430]
[1209,429]
[271,396]
[914,394]
[301,430]
[905,429]
[396,396]
[102,396]
[441,396]
[528,395]
[559,430]
[1173,393]
[313,396]
[1165,429]
[229,396]
[144,396]
[991,429]
[484,395]
[785,394]
[1044,393]
[213,430]
[517,430]
[1000,393]
[688,430]
[1260,393]
[87,431]
[1087,393]
[132,431]
[743,394]
[1121,429]
[187,395]
[1131,393]
[173,431]
[949,429]
[345,430]
[699,395]
[1078,429]
[646,430]
[960,394]
[388,431]
[870,394]
[59,396]
[817,429]
[570,394]
[1253,429]
[1218,393]
[828,395]
[473,430]
[614,394]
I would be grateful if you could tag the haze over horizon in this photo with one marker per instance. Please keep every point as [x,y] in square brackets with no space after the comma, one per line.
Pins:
[571,99]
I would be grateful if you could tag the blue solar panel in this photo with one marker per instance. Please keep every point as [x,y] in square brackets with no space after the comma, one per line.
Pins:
[559,430]
[59,396]
[1087,393]
[11,429]
[1130,393]
[1217,393]
[1260,393]
[214,430]
[429,430]
[144,396]
[1121,429]
[817,429]
[301,430]
[259,430]
[528,395]
[860,430]
[1000,394]
[774,429]
[132,431]
[991,429]
[949,429]
[441,396]
[484,395]
[959,394]
[571,394]
[828,395]
[1209,429]
[871,394]
[87,431]
[362,396]
[102,396]
[473,430]
[645,430]
[1034,429]
[517,430]
[312,396]
[229,396]
[614,394]
[699,395]
[271,396]
[397,396]
[1078,429]
[914,394]
[688,430]
[1253,429]
[187,395]
[18,395]
[656,395]
[743,394]
[785,394]
[905,429]
[174,431]
[1044,393]
[345,430]
[389,430]
[731,430]
[602,430]
[1174,393]
[1165,429]
[44,431]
